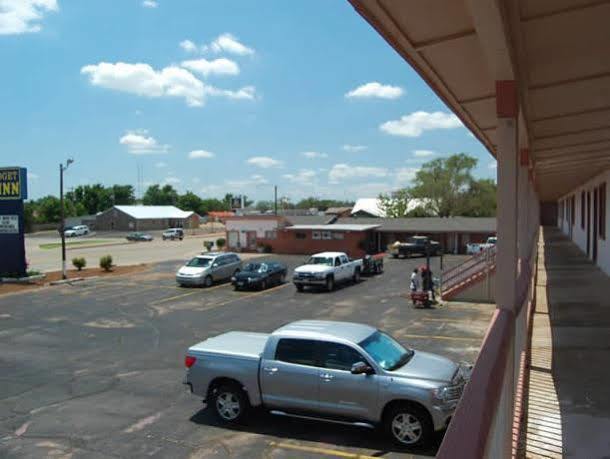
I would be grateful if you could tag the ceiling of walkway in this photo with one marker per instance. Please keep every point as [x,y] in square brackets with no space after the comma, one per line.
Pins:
[558,51]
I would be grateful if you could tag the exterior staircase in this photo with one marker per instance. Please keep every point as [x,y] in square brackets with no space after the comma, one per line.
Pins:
[473,270]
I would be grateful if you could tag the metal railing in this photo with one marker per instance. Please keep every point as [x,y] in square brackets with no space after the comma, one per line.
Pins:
[480,262]
[483,422]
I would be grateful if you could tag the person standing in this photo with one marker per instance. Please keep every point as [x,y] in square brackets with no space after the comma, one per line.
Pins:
[413,284]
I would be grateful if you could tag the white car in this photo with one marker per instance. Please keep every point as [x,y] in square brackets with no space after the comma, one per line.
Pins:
[78,230]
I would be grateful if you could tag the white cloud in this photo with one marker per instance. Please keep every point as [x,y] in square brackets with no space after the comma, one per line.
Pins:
[197,154]
[493,165]
[160,165]
[314,154]
[23,16]
[470,134]
[32,176]
[302,177]
[140,143]
[171,180]
[188,46]
[195,180]
[345,172]
[374,89]
[229,44]
[143,80]
[264,161]
[405,174]
[422,153]
[211,189]
[354,148]
[220,66]
[416,123]
[253,180]
[149,4]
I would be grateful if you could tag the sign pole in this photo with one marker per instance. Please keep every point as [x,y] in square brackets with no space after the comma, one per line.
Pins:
[62,226]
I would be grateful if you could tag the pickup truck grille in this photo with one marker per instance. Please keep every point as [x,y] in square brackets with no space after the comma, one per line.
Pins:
[455,392]
[304,276]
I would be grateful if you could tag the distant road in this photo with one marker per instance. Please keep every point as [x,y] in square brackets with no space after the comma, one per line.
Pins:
[123,254]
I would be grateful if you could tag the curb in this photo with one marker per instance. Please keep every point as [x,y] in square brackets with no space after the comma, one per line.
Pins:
[22,280]
[67,281]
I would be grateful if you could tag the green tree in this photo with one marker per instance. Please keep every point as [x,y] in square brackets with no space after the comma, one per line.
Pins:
[212,205]
[395,205]
[189,201]
[157,196]
[321,204]
[28,215]
[48,210]
[264,206]
[444,184]
[480,199]
[123,195]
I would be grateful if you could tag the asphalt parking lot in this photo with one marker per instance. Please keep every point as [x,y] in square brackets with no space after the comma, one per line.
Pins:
[94,369]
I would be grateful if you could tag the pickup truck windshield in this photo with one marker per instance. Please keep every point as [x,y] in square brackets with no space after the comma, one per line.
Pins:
[386,351]
[320,261]
[199,262]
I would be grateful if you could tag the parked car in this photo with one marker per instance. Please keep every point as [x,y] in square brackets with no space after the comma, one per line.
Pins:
[415,245]
[209,268]
[78,230]
[328,371]
[473,248]
[173,233]
[260,275]
[326,269]
[136,236]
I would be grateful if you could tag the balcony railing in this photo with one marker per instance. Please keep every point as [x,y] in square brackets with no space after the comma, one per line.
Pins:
[483,422]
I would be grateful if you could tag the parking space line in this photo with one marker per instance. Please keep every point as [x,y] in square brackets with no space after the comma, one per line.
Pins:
[452,338]
[426,319]
[233,300]
[182,295]
[321,451]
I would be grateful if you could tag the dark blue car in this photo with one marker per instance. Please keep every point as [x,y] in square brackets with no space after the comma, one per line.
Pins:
[260,275]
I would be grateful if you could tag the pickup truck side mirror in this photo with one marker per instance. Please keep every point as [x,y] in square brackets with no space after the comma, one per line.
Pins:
[360,368]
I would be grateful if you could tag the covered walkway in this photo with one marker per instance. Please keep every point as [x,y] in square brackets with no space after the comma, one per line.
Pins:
[566,399]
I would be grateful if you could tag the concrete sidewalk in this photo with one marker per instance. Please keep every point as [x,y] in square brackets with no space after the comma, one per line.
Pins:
[568,388]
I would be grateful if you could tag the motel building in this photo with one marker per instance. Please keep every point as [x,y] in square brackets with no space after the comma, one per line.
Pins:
[531,81]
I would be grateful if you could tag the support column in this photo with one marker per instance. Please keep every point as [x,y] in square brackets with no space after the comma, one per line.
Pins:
[506,266]
[523,208]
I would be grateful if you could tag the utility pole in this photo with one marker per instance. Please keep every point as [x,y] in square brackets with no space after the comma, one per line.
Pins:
[275,200]
[62,168]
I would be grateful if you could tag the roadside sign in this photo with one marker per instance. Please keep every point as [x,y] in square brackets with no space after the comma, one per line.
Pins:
[13,183]
[9,224]
[236,202]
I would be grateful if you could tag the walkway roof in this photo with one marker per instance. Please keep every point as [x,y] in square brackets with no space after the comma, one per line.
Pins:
[556,50]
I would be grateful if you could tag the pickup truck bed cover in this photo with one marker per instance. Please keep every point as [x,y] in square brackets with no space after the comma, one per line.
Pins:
[239,344]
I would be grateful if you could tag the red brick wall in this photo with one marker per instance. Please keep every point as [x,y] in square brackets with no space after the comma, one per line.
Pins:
[287,243]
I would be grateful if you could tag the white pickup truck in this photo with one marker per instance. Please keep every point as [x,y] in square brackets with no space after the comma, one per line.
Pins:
[473,248]
[326,269]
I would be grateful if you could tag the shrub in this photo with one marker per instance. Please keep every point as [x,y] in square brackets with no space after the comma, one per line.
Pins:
[79,262]
[220,243]
[208,245]
[106,262]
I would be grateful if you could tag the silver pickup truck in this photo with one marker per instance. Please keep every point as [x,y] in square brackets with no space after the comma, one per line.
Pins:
[331,371]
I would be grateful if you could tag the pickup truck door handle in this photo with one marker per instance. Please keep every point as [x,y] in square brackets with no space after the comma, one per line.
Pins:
[270,370]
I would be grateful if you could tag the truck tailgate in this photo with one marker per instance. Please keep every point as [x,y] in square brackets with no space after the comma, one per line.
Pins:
[238,344]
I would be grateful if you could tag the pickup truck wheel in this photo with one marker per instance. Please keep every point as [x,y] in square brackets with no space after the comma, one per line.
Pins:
[230,403]
[330,283]
[409,425]
[299,287]
[208,281]
[263,285]
[356,277]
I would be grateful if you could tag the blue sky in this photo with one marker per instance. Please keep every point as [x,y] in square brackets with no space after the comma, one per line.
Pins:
[215,97]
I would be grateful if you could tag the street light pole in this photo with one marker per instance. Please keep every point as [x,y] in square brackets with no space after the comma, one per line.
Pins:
[62,168]
[275,200]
